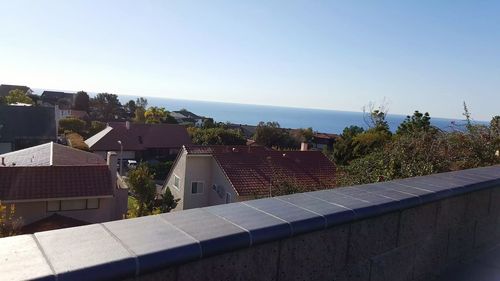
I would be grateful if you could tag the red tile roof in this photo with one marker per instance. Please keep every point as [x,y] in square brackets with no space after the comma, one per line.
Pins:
[140,137]
[55,221]
[250,169]
[44,182]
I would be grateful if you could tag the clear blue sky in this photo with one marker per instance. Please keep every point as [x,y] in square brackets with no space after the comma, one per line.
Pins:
[427,55]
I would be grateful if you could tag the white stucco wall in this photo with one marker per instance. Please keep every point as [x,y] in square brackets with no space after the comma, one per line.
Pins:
[199,168]
[178,170]
[220,179]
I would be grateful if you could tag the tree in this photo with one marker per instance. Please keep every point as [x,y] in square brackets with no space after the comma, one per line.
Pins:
[141,102]
[9,225]
[168,202]
[106,107]
[139,115]
[375,118]
[495,126]
[155,115]
[130,108]
[72,124]
[216,136]
[417,123]
[270,134]
[18,96]
[343,149]
[142,186]
[96,127]
[82,101]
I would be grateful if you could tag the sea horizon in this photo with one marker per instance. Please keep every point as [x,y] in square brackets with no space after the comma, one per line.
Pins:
[321,120]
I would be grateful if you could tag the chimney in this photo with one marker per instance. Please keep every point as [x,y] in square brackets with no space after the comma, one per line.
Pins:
[303,146]
[3,161]
[112,160]
[127,125]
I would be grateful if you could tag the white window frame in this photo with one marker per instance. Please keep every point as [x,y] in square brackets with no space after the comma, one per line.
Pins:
[179,183]
[202,190]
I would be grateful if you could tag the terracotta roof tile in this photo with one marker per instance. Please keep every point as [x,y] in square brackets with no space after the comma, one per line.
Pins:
[29,183]
[140,137]
[251,169]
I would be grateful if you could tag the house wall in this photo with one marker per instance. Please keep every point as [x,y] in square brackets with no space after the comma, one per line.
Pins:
[31,212]
[198,168]
[223,184]
[190,168]
[179,170]
[126,154]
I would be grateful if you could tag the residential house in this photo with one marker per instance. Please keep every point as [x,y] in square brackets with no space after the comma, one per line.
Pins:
[52,179]
[248,131]
[211,175]
[140,141]
[5,89]
[185,117]
[55,98]
[321,141]
[26,126]
[62,112]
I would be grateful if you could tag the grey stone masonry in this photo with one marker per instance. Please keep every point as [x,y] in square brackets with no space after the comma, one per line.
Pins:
[409,229]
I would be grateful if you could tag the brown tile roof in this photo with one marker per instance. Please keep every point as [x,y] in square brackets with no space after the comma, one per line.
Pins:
[44,182]
[139,137]
[52,222]
[250,169]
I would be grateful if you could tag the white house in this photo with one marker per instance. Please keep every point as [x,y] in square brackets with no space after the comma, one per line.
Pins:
[211,175]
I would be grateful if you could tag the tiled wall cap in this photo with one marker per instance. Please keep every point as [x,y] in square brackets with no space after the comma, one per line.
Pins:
[124,249]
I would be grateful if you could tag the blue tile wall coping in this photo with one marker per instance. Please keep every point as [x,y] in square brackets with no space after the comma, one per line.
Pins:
[127,248]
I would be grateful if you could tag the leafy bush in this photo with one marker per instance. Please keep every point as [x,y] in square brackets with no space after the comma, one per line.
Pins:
[76,141]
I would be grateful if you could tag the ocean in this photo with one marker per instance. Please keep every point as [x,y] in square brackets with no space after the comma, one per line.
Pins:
[326,121]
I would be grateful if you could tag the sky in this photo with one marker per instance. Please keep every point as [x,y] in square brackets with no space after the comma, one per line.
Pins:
[422,55]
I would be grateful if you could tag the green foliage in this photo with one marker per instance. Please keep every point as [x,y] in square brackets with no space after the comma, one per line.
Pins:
[160,170]
[270,134]
[419,149]
[285,188]
[82,101]
[142,186]
[417,123]
[72,124]
[96,127]
[343,149]
[106,107]
[155,115]
[9,225]
[76,141]
[3,100]
[216,136]
[141,102]
[167,201]
[139,115]
[18,96]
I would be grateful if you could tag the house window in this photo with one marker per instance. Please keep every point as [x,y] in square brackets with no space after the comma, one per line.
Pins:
[53,206]
[228,197]
[177,181]
[93,203]
[196,187]
[69,205]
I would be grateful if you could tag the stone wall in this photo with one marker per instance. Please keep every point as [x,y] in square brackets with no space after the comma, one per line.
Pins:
[409,229]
